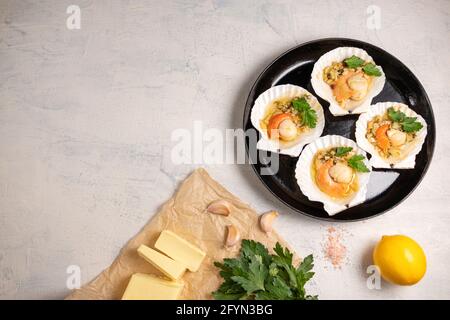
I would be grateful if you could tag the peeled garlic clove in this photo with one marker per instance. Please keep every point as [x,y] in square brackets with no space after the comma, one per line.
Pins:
[233,236]
[266,221]
[222,207]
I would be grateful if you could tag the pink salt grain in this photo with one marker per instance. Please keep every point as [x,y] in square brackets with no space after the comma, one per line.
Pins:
[334,250]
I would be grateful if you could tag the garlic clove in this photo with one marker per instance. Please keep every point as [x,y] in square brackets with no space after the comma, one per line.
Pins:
[266,221]
[233,236]
[221,207]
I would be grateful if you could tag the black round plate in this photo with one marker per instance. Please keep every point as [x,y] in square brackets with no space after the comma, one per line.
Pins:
[387,188]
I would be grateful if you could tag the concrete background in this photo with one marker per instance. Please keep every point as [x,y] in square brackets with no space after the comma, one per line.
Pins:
[86,118]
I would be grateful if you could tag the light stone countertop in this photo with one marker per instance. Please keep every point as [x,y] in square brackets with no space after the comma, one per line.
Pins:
[86,118]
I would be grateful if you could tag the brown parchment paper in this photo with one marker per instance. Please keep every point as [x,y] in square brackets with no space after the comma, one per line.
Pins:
[185,214]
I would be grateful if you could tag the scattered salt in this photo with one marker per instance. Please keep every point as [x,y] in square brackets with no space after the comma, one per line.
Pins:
[334,250]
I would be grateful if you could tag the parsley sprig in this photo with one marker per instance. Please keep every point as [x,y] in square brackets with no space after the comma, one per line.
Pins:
[369,68]
[308,114]
[256,274]
[356,162]
[409,124]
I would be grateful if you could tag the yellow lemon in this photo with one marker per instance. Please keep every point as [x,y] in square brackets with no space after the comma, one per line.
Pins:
[401,260]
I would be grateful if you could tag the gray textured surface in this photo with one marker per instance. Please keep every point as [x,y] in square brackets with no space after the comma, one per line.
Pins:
[86,118]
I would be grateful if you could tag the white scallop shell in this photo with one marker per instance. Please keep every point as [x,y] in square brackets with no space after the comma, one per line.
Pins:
[305,180]
[323,89]
[259,110]
[376,160]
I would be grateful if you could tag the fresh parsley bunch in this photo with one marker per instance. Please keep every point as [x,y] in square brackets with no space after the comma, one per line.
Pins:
[256,274]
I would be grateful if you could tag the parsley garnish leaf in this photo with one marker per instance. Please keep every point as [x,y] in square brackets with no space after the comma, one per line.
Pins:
[342,151]
[357,163]
[371,70]
[411,125]
[308,114]
[396,116]
[354,62]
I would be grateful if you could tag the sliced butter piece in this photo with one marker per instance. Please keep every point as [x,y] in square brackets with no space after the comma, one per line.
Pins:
[171,268]
[149,287]
[180,250]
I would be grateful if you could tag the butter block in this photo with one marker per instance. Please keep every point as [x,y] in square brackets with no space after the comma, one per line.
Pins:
[149,287]
[180,250]
[169,267]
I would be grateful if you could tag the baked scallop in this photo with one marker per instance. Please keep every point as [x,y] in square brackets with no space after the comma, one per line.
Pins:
[392,133]
[287,117]
[348,79]
[335,171]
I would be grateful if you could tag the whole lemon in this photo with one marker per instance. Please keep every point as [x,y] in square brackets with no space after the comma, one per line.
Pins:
[401,260]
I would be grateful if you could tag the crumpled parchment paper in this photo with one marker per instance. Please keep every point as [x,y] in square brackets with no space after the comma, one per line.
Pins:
[185,214]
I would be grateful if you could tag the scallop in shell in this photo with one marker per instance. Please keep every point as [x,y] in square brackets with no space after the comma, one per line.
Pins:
[281,125]
[386,140]
[347,89]
[333,170]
